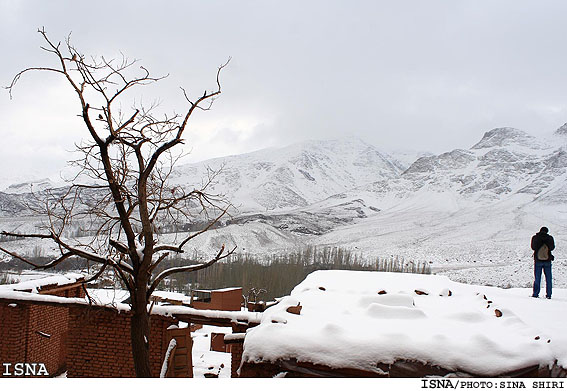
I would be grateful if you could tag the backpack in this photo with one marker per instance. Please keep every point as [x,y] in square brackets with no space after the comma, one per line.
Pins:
[543,253]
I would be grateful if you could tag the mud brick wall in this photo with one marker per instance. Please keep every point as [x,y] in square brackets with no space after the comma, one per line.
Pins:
[32,333]
[99,343]
[73,291]
[46,337]
[13,331]
[236,350]
[222,300]
[217,343]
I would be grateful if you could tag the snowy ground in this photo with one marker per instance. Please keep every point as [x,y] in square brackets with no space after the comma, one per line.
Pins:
[479,243]
[205,360]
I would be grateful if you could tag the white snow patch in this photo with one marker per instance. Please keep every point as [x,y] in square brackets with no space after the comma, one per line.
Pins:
[205,360]
[351,325]
[170,347]
[35,285]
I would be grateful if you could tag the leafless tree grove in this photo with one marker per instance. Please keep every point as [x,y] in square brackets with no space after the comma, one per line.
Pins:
[122,189]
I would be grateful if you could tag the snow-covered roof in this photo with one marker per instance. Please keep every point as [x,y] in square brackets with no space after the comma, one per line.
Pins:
[175,296]
[34,286]
[217,290]
[351,319]
[112,298]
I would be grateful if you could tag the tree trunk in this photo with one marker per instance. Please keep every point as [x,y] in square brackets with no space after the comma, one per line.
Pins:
[140,333]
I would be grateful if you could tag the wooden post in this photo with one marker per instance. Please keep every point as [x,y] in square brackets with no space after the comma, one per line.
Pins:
[181,359]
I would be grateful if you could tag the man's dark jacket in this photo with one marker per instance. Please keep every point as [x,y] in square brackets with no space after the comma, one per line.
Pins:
[539,240]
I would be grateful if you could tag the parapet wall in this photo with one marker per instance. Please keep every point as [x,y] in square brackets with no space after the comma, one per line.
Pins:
[32,333]
[99,343]
[85,341]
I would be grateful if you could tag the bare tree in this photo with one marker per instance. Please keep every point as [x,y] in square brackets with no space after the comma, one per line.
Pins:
[122,192]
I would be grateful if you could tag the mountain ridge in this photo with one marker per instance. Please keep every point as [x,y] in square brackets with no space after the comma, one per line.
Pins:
[296,175]
[458,209]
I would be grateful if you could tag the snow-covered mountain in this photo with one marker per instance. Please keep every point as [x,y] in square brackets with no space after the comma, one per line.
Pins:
[504,162]
[31,186]
[507,165]
[469,211]
[297,175]
[17,198]
[460,209]
[274,179]
[321,175]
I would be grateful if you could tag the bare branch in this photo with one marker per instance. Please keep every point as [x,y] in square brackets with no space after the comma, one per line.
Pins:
[179,249]
[19,75]
[128,154]
[19,257]
[189,268]
[201,99]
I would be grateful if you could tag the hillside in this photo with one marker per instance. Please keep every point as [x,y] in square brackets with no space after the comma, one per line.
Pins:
[297,175]
[470,212]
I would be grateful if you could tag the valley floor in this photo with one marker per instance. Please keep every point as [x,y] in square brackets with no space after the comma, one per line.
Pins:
[507,274]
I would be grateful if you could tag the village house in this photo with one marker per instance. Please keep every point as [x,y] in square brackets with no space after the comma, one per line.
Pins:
[375,324]
[53,324]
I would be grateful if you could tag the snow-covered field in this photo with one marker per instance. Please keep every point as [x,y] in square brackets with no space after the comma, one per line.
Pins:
[485,244]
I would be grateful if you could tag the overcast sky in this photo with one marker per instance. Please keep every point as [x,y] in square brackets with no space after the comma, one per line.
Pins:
[421,75]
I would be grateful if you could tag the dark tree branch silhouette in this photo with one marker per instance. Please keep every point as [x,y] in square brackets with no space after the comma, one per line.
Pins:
[127,163]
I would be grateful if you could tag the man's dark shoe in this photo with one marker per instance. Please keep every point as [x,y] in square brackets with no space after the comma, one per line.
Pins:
[548,297]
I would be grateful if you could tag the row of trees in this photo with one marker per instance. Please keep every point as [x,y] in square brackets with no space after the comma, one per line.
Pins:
[278,274]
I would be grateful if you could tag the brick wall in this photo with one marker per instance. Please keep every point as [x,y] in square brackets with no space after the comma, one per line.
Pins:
[99,343]
[230,300]
[33,333]
[217,343]
[222,300]
[87,341]
[75,289]
[13,329]
[46,337]
[236,350]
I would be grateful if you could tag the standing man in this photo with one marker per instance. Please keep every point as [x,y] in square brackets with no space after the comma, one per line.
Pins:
[542,244]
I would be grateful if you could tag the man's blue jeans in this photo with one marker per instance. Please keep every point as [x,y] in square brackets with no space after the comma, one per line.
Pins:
[546,267]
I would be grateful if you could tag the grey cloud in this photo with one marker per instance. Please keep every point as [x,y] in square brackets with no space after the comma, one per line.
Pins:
[428,75]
